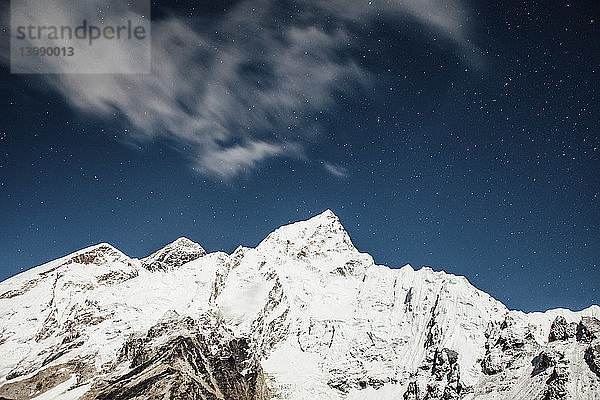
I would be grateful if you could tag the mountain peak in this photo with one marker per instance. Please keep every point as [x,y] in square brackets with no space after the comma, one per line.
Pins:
[97,254]
[326,218]
[327,214]
[185,242]
[322,233]
[175,254]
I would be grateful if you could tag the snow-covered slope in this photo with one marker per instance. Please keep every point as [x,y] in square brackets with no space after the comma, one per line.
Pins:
[320,320]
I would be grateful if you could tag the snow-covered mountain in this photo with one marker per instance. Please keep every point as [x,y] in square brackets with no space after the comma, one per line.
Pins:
[304,315]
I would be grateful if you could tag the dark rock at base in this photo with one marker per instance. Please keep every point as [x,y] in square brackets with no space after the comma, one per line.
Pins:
[592,358]
[588,329]
[444,363]
[561,329]
[184,360]
[542,362]
[46,379]
[412,391]
[556,388]
[441,372]
[492,363]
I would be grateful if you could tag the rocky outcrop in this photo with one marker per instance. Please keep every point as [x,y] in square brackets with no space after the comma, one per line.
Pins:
[506,342]
[556,385]
[592,358]
[181,358]
[492,362]
[48,378]
[412,391]
[438,377]
[173,255]
[21,290]
[561,330]
[97,255]
[588,329]
[543,361]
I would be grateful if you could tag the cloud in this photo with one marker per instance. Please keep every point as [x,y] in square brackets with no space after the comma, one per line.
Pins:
[335,170]
[229,161]
[233,92]
[448,17]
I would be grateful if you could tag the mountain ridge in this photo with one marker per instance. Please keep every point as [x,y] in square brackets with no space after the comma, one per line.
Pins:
[310,307]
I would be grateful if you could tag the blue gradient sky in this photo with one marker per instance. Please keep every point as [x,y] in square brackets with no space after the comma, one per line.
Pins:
[472,148]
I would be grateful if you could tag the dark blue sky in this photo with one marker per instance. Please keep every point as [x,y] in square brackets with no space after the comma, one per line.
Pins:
[471,147]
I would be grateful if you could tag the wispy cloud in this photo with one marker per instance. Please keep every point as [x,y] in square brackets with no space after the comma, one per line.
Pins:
[236,91]
[335,170]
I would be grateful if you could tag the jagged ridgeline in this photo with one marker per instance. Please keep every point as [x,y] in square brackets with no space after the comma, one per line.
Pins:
[304,315]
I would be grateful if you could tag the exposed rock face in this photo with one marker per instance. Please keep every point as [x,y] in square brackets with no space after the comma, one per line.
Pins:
[506,342]
[561,330]
[412,391]
[557,368]
[588,329]
[19,291]
[46,379]
[304,315]
[98,255]
[492,362]
[180,358]
[173,255]
[557,383]
[438,377]
[445,368]
[592,358]
[543,361]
